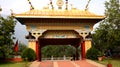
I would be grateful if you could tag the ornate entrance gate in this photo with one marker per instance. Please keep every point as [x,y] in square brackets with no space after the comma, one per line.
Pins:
[60,27]
[60,37]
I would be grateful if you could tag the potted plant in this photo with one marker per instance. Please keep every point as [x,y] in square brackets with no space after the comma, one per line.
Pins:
[109,63]
[100,56]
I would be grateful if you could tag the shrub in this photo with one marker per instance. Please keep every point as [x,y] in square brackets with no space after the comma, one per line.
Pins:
[92,53]
[1,55]
[28,54]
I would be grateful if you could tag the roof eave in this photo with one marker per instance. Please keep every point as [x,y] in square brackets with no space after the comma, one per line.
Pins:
[67,17]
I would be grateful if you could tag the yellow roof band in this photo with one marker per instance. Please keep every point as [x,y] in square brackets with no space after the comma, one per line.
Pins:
[47,13]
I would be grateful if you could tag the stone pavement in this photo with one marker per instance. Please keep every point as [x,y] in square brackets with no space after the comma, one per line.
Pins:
[35,64]
[95,63]
[66,63]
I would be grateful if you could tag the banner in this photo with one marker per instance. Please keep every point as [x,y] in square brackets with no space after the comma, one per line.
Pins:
[16,46]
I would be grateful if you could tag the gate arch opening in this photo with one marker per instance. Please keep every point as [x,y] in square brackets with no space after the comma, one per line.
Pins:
[71,38]
[58,52]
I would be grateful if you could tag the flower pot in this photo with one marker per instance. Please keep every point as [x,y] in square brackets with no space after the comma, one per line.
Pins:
[109,65]
[100,58]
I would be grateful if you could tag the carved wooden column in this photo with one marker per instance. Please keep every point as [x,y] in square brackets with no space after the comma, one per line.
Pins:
[37,34]
[37,51]
[84,43]
[83,54]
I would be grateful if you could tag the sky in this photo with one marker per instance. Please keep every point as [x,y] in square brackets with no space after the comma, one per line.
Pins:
[19,6]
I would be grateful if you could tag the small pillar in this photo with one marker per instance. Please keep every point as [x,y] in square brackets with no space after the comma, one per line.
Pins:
[64,57]
[83,54]
[52,57]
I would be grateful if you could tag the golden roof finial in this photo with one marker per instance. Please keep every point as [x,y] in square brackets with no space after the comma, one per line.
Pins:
[59,4]
[72,7]
[46,7]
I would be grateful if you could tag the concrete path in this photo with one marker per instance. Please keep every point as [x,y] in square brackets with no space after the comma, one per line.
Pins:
[95,63]
[66,63]
[35,64]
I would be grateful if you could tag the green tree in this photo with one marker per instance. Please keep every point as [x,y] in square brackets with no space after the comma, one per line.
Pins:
[100,40]
[108,33]
[92,53]
[21,47]
[113,17]
[28,54]
[6,31]
[58,51]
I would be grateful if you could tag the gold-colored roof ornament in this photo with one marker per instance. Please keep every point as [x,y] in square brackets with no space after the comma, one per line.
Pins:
[59,4]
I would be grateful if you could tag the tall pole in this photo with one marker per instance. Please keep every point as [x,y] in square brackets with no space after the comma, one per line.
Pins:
[51,4]
[31,6]
[86,8]
[66,5]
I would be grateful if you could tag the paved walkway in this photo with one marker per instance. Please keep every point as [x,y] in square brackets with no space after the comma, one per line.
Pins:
[66,63]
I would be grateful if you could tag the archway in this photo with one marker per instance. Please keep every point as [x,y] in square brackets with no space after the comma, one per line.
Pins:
[58,52]
[70,38]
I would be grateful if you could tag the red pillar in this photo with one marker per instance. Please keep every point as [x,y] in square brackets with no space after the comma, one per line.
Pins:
[40,52]
[37,51]
[83,50]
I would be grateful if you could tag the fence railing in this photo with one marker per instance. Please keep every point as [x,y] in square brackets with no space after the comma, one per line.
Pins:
[59,58]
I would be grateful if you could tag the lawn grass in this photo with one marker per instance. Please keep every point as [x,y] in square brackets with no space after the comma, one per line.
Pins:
[15,64]
[114,62]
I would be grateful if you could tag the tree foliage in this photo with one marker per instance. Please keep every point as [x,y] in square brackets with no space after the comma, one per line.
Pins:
[28,54]
[92,53]
[58,51]
[21,47]
[108,33]
[6,31]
